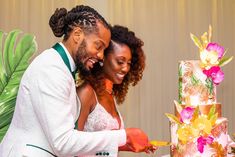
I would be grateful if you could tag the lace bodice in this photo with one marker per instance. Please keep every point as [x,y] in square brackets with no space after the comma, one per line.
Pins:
[99,119]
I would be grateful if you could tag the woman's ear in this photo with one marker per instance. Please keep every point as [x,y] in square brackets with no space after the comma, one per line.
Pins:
[78,35]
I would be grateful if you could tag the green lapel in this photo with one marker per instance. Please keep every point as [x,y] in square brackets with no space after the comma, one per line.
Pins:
[64,56]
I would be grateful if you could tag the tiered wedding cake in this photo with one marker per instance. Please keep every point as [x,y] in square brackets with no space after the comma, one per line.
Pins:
[198,128]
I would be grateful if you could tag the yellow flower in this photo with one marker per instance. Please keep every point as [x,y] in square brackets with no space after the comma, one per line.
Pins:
[209,58]
[202,124]
[185,133]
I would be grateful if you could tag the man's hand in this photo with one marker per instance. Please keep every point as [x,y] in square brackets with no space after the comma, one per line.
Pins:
[137,141]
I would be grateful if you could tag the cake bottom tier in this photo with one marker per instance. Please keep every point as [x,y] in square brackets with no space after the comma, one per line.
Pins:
[217,148]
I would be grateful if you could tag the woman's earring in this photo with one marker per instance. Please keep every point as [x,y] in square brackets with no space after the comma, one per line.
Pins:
[101,62]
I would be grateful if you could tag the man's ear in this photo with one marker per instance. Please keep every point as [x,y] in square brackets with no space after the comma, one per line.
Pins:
[78,35]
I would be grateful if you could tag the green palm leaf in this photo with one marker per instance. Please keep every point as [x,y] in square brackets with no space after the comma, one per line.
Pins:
[15,53]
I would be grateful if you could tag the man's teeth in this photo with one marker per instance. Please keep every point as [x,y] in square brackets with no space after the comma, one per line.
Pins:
[93,61]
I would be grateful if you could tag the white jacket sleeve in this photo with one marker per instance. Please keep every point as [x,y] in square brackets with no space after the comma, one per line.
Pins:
[50,90]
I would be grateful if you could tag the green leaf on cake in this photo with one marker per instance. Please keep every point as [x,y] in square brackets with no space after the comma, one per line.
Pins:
[196,113]
[212,115]
[212,111]
[213,119]
[210,85]
[173,118]
[194,80]
[224,53]
[204,39]
[180,73]
[16,49]
[225,60]
[196,41]
[180,83]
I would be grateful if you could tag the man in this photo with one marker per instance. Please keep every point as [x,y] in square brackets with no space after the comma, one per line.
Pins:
[47,106]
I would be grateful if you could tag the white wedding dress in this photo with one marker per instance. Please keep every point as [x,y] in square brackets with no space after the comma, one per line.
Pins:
[99,119]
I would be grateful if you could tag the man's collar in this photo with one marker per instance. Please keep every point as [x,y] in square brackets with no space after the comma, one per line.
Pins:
[71,61]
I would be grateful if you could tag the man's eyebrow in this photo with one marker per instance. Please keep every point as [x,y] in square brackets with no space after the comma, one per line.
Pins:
[103,44]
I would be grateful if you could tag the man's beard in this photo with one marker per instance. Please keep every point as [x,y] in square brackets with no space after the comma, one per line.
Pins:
[82,55]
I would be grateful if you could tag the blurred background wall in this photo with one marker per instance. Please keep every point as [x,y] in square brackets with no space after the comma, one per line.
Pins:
[164,26]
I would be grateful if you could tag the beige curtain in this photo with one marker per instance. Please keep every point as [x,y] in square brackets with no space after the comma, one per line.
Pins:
[164,26]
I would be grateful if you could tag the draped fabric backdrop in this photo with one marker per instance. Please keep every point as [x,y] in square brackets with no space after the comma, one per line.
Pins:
[164,26]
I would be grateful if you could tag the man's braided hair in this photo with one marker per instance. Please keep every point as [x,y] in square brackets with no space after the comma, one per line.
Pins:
[62,21]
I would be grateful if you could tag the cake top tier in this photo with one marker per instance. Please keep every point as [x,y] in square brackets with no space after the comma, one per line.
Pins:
[194,87]
[198,78]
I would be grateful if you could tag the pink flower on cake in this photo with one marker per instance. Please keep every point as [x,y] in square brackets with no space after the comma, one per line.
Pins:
[200,144]
[218,77]
[202,141]
[216,48]
[211,55]
[186,114]
[215,73]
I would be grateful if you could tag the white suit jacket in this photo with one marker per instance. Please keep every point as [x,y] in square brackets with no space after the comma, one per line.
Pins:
[47,108]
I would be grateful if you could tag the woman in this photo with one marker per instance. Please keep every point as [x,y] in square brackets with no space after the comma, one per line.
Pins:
[123,64]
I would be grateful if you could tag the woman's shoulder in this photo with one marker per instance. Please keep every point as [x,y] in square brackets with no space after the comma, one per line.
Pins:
[85,90]
[86,94]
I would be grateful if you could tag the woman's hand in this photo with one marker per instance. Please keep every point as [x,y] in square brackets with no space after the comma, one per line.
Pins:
[137,141]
